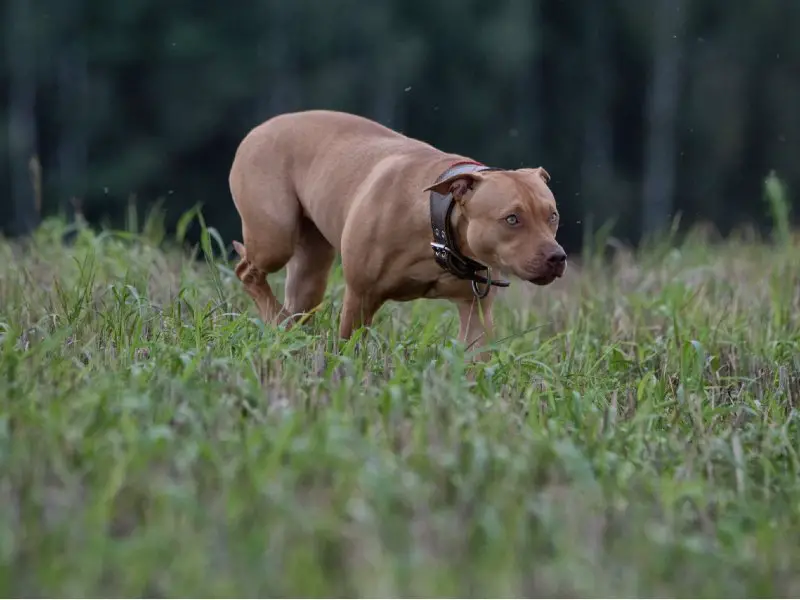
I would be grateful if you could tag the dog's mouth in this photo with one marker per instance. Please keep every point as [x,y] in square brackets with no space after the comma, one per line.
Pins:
[550,277]
[543,279]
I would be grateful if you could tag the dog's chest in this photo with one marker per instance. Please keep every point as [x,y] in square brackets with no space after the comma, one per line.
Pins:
[445,286]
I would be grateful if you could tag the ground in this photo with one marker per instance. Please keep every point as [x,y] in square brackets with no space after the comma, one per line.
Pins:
[635,432]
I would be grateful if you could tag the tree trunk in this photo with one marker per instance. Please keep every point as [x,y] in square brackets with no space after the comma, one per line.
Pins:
[662,112]
[279,91]
[384,87]
[72,72]
[20,52]
[528,110]
[597,160]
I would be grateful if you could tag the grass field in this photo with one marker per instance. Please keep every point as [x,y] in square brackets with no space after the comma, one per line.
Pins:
[635,432]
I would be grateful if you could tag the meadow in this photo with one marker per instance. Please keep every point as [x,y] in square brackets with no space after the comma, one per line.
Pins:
[634,433]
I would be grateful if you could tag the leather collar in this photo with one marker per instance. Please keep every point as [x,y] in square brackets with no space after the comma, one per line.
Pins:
[445,244]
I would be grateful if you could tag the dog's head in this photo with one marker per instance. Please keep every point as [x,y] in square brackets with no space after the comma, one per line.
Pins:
[511,221]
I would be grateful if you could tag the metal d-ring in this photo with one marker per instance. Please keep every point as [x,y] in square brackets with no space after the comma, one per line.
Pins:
[480,295]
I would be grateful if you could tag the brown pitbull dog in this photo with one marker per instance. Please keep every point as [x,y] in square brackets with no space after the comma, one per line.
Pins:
[409,221]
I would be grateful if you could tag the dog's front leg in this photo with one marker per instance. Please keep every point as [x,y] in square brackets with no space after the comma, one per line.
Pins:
[476,324]
[357,311]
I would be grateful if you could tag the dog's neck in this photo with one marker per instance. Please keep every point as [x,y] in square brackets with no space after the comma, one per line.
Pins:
[460,222]
[449,223]
[458,218]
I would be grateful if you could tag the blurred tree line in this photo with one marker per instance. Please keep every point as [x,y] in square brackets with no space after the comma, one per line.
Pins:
[638,108]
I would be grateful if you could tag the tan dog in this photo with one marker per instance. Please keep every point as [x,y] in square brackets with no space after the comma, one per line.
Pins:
[310,184]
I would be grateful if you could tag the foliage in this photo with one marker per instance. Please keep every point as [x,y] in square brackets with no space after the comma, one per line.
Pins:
[151,99]
[634,433]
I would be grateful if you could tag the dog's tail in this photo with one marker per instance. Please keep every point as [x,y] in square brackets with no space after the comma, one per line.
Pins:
[243,268]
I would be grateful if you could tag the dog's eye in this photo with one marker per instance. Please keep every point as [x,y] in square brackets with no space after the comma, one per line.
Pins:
[512,220]
[554,217]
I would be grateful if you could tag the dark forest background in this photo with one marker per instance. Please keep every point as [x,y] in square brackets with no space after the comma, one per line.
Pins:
[639,109]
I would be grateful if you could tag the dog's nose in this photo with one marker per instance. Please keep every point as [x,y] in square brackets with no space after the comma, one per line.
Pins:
[558,257]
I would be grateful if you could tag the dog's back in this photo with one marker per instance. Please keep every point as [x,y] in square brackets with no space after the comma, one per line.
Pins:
[323,139]
[324,160]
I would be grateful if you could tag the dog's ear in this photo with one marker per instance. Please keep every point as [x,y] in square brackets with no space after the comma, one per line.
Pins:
[540,171]
[457,184]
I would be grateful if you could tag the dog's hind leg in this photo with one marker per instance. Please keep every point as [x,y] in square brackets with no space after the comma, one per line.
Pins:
[270,228]
[255,284]
[308,270]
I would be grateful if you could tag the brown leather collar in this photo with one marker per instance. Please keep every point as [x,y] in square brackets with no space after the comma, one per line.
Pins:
[445,245]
